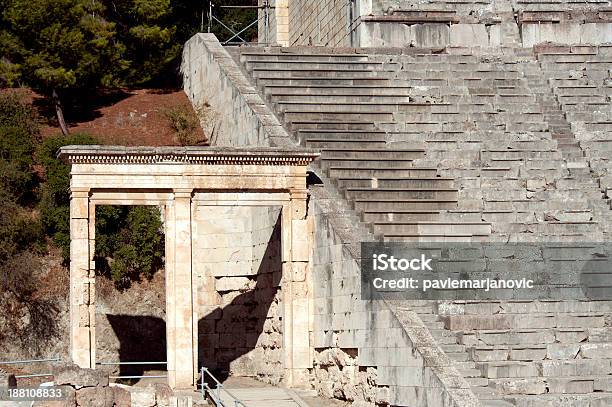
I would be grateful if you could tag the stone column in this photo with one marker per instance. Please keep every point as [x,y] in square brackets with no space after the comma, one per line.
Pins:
[296,290]
[281,14]
[180,319]
[82,279]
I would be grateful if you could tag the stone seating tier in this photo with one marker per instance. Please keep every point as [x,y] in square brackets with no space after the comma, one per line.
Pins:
[462,146]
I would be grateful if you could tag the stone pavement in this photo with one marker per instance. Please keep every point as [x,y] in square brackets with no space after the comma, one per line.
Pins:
[257,394]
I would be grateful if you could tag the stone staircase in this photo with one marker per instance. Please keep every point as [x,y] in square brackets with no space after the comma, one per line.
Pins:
[461,146]
[580,81]
[341,103]
[554,353]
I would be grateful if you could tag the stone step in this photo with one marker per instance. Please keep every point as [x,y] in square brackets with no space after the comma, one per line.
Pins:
[371,153]
[329,73]
[458,357]
[518,321]
[403,205]
[508,369]
[477,381]
[495,403]
[294,117]
[322,143]
[400,193]
[377,172]
[300,65]
[339,125]
[517,337]
[432,228]
[418,216]
[358,80]
[257,53]
[453,348]
[395,182]
[284,99]
[351,162]
[325,90]
[470,373]
[561,400]
[469,364]
[338,134]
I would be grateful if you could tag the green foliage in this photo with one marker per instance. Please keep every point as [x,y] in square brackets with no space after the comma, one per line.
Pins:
[19,231]
[60,44]
[129,242]
[79,44]
[147,29]
[18,132]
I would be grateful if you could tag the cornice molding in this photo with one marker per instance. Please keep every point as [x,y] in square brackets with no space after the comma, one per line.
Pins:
[186,155]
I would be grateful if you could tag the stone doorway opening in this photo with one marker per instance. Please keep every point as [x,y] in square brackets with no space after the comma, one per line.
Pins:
[130,295]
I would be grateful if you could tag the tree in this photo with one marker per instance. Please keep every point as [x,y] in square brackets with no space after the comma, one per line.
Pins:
[18,134]
[59,45]
[129,242]
[148,30]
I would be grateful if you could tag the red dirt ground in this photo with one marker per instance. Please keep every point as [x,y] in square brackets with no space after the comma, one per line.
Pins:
[126,117]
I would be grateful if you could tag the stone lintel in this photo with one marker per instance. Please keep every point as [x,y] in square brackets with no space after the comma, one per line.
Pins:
[88,154]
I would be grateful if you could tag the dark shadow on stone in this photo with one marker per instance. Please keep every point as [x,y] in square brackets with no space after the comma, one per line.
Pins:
[243,319]
[141,339]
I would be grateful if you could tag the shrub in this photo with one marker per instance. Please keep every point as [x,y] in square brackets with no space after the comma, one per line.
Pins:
[184,121]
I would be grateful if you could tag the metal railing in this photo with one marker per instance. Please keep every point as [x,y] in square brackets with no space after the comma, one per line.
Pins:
[215,393]
[31,361]
[132,364]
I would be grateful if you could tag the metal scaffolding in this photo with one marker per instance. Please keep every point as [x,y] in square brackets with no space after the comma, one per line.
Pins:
[265,16]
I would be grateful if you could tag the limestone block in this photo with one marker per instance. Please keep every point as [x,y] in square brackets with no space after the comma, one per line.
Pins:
[77,377]
[79,208]
[298,271]
[501,370]
[300,250]
[121,395]
[469,35]
[602,384]
[562,351]
[142,397]
[595,33]
[528,354]
[520,386]
[596,350]
[95,397]
[234,283]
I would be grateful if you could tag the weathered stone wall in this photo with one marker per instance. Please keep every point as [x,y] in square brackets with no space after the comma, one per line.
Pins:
[365,353]
[238,270]
[319,22]
[228,105]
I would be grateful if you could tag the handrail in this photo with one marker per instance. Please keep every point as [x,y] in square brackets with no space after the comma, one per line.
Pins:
[17,362]
[215,394]
[30,361]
